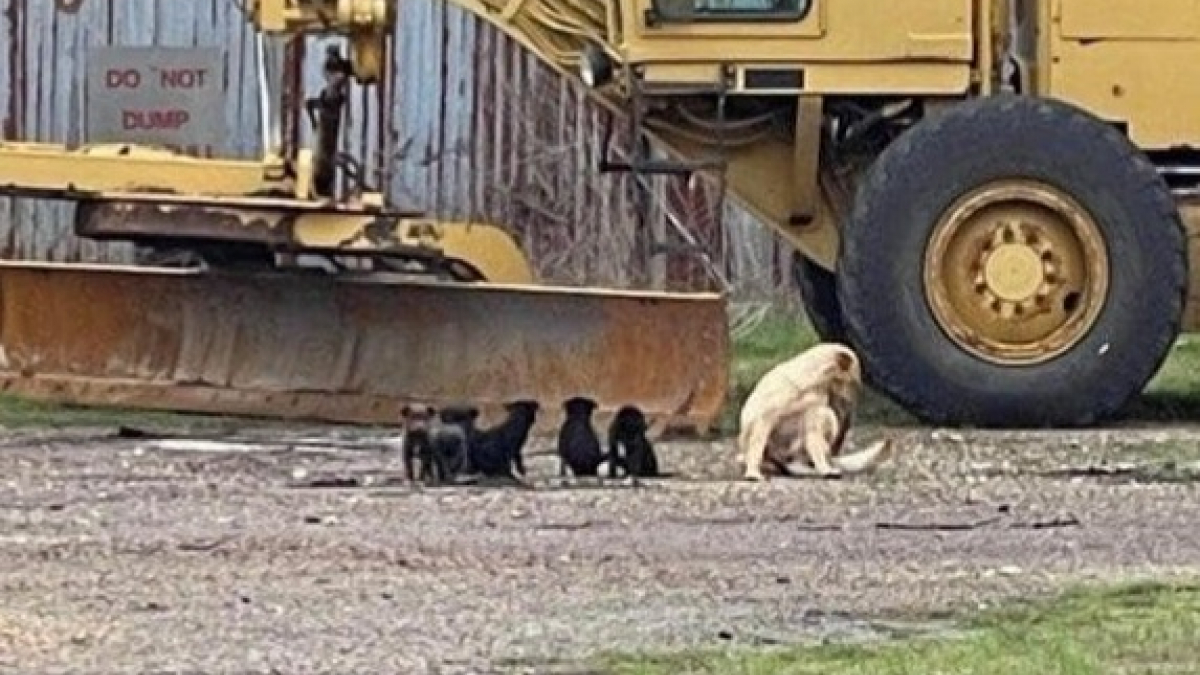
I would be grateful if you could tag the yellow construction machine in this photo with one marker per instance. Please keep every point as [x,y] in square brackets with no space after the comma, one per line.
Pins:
[987,200]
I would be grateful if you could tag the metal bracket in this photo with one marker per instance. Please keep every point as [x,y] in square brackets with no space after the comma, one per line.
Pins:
[806,159]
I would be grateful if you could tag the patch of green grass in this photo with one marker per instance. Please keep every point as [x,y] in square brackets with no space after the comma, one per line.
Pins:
[777,337]
[17,412]
[1174,393]
[1138,629]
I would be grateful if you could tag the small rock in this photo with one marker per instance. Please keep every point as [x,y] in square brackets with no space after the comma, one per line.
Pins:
[943,435]
[1010,570]
[299,474]
[725,635]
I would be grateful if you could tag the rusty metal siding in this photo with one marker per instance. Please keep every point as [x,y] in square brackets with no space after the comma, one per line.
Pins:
[469,126]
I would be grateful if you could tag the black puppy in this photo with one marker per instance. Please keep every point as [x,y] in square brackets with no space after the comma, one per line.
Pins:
[452,439]
[497,452]
[578,445]
[628,430]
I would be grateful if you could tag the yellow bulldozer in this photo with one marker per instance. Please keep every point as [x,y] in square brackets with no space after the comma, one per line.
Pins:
[987,199]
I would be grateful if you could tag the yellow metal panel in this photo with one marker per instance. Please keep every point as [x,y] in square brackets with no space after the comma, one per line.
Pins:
[888,79]
[488,249]
[53,168]
[1138,19]
[682,73]
[1152,86]
[1127,63]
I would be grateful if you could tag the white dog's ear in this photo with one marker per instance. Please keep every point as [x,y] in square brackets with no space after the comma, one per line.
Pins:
[845,362]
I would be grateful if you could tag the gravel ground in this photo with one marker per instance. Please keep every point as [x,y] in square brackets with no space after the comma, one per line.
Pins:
[124,556]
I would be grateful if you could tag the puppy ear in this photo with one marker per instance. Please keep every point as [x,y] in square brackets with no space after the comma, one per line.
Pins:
[406,411]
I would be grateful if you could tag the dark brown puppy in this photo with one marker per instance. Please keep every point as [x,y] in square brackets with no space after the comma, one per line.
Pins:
[628,431]
[578,444]
[497,452]
[418,421]
[452,439]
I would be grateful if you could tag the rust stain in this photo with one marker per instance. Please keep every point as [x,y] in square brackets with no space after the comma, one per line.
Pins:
[68,6]
[315,347]
[292,94]
[154,221]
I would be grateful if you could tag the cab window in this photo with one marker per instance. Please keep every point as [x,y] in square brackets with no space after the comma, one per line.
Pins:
[730,10]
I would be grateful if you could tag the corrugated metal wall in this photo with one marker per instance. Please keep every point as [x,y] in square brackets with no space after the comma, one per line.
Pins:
[471,126]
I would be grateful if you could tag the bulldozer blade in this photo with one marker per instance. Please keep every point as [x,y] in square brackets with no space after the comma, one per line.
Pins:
[353,350]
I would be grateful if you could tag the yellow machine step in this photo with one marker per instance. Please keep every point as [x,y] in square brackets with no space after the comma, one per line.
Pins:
[345,349]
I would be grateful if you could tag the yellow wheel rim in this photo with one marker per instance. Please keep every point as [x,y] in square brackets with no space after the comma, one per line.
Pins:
[1016,272]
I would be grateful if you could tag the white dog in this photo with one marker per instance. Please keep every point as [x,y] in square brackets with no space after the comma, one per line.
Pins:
[797,418]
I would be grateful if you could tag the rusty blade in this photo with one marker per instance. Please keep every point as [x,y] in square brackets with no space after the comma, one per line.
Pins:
[352,350]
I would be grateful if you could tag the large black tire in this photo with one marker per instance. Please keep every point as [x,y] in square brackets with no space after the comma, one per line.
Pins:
[818,291]
[913,183]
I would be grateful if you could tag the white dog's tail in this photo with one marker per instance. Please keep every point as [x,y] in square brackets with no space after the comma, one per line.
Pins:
[865,460]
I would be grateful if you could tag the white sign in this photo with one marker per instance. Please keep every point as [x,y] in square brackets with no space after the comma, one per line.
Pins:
[157,95]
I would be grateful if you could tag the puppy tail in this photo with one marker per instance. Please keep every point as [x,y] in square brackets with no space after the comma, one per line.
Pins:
[867,459]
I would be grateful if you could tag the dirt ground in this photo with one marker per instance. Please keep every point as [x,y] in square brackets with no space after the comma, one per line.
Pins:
[134,555]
